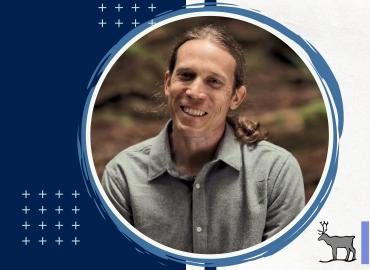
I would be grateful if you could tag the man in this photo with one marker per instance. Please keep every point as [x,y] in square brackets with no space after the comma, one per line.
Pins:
[206,184]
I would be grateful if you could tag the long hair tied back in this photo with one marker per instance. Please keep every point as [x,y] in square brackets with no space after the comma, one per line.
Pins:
[247,131]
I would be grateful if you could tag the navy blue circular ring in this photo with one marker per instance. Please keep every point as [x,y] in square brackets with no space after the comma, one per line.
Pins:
[330,89]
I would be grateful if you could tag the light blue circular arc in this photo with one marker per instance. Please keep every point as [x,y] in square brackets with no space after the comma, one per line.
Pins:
[331,90]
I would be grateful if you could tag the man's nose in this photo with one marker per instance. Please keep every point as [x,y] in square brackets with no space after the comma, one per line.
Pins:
[196,90]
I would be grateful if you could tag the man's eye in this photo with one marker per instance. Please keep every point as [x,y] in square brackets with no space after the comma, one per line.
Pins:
[186,76]
[214,82]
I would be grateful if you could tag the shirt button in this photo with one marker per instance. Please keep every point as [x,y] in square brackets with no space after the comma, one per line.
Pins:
[199,229]
[197,186]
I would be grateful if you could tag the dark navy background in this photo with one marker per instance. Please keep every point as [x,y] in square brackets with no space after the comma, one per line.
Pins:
[49,51]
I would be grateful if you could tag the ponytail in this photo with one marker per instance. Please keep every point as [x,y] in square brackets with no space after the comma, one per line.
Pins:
[247,131]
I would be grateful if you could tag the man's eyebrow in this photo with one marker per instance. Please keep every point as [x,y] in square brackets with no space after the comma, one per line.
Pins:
[183,69]
[218,76]
[215,74]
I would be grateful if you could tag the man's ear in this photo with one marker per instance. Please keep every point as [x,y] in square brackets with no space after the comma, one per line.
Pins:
[167,82]
[238,97]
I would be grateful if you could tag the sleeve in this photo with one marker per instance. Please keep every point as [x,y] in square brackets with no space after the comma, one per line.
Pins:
[117,191]
[287,197]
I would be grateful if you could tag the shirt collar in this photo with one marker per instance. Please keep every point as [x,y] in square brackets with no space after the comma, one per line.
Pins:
[160,155]
[229,149]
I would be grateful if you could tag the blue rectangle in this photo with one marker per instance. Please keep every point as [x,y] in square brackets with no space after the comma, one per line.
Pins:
[365,242]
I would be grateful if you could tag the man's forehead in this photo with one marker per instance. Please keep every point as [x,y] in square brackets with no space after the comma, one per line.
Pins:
[205,52]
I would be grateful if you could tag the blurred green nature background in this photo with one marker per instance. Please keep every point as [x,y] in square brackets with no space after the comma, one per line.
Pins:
[282,95]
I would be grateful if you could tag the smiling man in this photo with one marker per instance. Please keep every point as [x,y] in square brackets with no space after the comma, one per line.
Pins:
[206,183]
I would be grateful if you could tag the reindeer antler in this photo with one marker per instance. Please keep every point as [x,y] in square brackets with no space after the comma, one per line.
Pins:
[324,226]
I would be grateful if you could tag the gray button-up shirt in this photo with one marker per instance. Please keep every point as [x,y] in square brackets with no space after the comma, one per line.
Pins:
[242,197]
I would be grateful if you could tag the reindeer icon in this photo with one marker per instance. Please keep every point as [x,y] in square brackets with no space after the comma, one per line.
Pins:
[337,242]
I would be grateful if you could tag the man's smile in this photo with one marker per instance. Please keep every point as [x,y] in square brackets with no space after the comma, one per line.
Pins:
[193,112]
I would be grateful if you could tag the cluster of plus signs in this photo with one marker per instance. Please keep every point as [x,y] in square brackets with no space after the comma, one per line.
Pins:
[42,227]
[134,8]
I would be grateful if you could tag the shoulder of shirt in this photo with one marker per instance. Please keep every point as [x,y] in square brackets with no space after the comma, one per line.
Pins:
[265,147]
[140,150]
[265,154]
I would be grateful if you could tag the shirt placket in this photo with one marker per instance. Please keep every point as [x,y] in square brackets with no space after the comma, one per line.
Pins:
[200,219]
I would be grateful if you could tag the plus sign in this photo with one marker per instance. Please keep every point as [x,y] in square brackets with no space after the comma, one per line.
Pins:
[59,194]
[42,241]
[102,23]
[59,225]
[42,225]
[42,209]
[102,7]
[59,241]
[135,23]
[75,194]
[118,23]
[26,225]
[75,241]
[151,7]
[26,209]
[58,209]
[26,241]
[135,7]
[26,194]
[75,225]
[118,7]
[42,194]
[152,22]
[75,209]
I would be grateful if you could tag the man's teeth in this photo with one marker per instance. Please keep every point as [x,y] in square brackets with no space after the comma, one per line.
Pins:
[194,112]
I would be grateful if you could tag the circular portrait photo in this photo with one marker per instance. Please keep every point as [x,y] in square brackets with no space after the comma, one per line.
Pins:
[209,135]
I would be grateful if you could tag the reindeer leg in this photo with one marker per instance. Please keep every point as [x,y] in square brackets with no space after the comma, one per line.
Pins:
[348,251]
[353,253]
[334,252]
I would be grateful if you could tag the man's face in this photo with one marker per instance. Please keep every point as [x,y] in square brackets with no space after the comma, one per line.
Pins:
[200,89]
